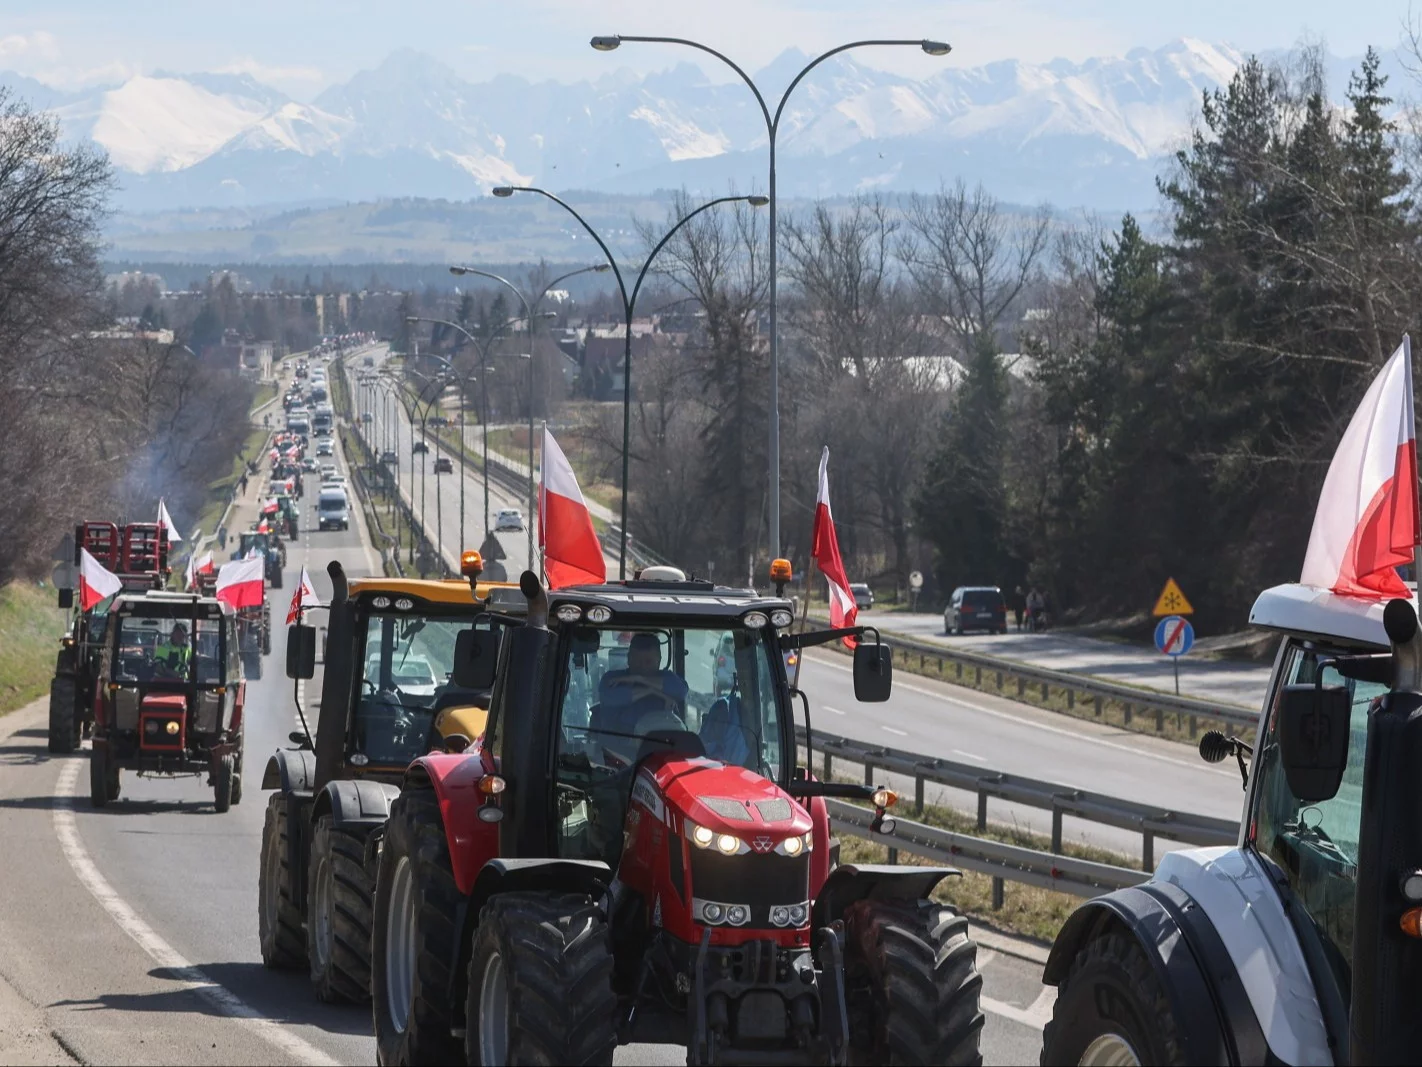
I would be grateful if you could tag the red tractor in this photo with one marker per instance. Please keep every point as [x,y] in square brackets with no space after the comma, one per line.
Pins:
[633,852]
[138,555]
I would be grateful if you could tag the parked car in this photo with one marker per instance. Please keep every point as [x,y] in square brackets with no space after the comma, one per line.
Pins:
[438,420]
[863,595]
[389,456]
[444,466]
[509,519]
[975,607]
[420,448]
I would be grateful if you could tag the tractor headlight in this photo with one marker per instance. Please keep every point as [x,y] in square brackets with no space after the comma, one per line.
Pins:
[712,912]
[754,620]
[793,846]
[779,915]
[738,915]
[173,726]
[790,915]
[728,844]
[569,613]
[799,914]
[700,836]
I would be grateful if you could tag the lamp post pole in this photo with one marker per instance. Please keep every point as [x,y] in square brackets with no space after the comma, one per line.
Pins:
[629,304]
[772,128]
[528,311]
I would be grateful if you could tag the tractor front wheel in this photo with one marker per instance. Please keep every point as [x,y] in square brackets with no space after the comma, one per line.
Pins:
[278,917]
[65,725]
[1111,1009]
[414,944]
[222,783]
[540,982]
[911,984]
[338,904]
[103,777]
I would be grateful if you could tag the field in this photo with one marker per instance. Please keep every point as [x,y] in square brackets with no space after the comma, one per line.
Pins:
[30,629]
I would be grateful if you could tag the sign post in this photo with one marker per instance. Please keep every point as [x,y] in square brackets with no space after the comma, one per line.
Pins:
[915,584]
[1174,636]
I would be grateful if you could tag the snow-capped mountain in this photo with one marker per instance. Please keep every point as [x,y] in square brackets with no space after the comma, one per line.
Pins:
[1090,133]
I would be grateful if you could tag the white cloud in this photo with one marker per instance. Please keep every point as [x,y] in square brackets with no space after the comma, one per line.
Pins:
[37,45]
[274,75]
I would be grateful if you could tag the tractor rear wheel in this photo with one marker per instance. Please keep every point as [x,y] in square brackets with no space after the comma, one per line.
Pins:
[415,943]
[103,777]
[278,917]
[911,984]
[338,900]
[1111,1009]
[222,783]
[65,726]
[540,982]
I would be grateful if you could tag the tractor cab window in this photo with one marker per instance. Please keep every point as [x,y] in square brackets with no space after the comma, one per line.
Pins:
[1316,845]
[152,648]
[405,669]
[699,691]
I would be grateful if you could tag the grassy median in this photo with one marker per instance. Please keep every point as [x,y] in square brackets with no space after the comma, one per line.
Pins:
[30,629]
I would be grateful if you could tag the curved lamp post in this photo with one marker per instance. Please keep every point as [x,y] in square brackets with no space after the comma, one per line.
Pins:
[629,303]
[772,128]
[529,307]
[429,406]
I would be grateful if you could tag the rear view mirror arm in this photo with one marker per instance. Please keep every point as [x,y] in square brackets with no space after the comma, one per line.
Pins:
[824,637]
[809,734]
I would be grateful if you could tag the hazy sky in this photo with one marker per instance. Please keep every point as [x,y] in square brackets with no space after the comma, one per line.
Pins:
[301,46]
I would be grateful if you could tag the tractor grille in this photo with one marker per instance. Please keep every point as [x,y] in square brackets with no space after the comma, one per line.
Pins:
[758,880]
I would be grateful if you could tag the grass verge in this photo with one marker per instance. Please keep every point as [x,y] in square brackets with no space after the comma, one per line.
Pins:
[30,629]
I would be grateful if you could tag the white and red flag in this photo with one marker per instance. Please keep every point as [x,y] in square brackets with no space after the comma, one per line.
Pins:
[166,521]
[572,554]
[240,583]
[1367,521]
[824,547]
[198,565]
[96,582]
[304,597]
[271,507]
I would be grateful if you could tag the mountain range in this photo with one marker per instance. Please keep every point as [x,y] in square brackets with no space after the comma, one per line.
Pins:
[1088,134]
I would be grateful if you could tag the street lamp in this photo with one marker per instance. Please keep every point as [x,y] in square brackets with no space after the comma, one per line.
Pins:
[629,304]
[772,128]
[528,309]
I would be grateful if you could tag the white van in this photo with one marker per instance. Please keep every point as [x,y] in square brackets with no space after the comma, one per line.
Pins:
[333,509]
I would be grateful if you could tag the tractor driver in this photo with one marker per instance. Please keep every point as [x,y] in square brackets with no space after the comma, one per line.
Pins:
[175,654]
[642,689]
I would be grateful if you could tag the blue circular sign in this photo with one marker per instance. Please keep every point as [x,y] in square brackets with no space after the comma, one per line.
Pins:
[1174,636]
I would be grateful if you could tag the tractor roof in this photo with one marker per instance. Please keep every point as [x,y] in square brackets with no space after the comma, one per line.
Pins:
[450,591]
[170,605]
[669,598]
[1310,612]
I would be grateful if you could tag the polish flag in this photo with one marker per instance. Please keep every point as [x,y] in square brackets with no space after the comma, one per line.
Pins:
[304,597]
[1367,521]
[198,565]
[271,507]
[824,547]
[166,521]
[241,582]
[96,582]
[572,554]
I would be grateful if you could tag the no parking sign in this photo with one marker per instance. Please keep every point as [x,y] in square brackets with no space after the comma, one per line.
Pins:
[1174,636]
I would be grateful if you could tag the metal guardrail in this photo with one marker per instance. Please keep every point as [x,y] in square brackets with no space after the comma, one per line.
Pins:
[1150,821]
[954,664]
[1003,862]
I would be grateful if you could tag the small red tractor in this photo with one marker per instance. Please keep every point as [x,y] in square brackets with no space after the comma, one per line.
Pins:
[138,554]
[171,695]
[632,851]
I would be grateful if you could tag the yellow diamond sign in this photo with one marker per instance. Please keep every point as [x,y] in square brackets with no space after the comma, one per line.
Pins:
[1172,601]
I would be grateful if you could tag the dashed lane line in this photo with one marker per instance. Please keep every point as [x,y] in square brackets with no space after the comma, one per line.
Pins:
[187,976]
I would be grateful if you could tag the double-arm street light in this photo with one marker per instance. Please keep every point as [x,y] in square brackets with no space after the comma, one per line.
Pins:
[529,308]
[772,128]
[629,304]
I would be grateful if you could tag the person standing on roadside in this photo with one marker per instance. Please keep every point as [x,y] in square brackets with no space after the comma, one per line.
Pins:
[1019,605]
[1035,604]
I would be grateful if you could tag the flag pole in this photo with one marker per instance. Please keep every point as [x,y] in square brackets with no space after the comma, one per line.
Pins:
[1416,548]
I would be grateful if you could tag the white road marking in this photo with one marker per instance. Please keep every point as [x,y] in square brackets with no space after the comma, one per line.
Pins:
[977,709]
[890,729]
[187,976]
[1037,1016]
[834,711]
[970,755]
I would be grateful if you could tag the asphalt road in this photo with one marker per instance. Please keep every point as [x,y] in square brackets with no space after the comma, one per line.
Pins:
[131,933]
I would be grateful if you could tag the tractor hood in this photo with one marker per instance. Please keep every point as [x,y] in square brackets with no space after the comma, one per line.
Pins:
[170,702]
[723,797]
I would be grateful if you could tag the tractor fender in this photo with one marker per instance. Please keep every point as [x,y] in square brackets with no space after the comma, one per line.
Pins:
[1216,1021]
[537,874]
[454,777]
[355,803]
[292,770]
[850,882]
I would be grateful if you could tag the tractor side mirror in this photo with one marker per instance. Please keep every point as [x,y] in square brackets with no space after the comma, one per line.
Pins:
[1313,731]
[873,672]
[300,651]
[66,598]
[476,654]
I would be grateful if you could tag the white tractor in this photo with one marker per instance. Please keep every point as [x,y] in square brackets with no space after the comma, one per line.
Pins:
[1302,944]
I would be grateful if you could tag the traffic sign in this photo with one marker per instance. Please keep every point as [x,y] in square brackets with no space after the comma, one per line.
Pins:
[1174,636]
[1172,601]
[915,581]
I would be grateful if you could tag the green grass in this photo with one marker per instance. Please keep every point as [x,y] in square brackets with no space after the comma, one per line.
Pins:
[30,629]
[264,392]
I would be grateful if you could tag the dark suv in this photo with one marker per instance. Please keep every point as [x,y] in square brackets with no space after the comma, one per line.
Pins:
[976,607]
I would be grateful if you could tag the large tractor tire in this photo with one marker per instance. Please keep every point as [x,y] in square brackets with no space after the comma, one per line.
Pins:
[911,984]
[276,577]
[237,769]
[1111,1009]
[278,917]
[540,983]
[252,663]
[338,907]
[103,777]
[414,944]
[222,777]
[65,724]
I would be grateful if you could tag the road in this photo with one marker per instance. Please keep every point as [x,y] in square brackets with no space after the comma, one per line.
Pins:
[131,932]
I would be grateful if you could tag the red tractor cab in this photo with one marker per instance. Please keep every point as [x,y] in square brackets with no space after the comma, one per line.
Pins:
[633,851]
[138,554]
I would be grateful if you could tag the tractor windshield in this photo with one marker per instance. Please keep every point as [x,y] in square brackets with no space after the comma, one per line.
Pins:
[1316,845]
[156,648]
